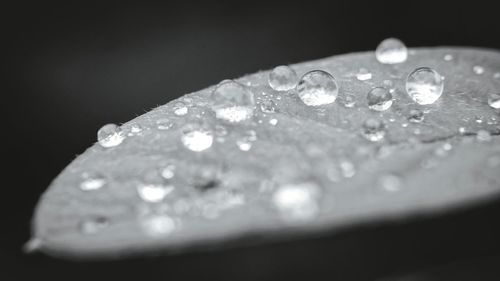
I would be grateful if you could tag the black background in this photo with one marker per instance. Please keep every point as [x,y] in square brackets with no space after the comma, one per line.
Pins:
[71,67]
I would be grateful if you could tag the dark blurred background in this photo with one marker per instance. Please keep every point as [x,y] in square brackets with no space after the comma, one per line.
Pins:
[70,67]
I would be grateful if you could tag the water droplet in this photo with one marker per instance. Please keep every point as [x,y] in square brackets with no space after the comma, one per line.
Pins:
[297,202]
[478,69]
[197,137]
[483,136]
[164,124]
[245,143]
[478,119]
[496,75]
[273,121]
[233,102]
[136,129]
[461,130]
[180,109]
[416,116]
[363,74]
[283,78]
[317,88]
[153,193]
[158,225]
[390,183]
[168,172]
[349,100]
[93,224]
[424,85]
[391,51]
[92,181]
[494,100]
[268,106]
[448,57]
[373,129]
[379,99]
[110,135]
[347,169]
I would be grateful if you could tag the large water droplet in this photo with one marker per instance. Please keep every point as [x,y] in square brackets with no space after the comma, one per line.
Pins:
[373,129]
[92,181]
[317,88]
[391,51]
[110,135]
[379,99]
[424,85]
[153,193]
[297,201]
[494,100]
[197,137]
[233,102]
[283,78]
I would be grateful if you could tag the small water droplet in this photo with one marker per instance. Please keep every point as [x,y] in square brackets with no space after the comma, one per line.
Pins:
[448,57]
[153,193]
[494,100]
[478,69]
[244,145]
[483,136]
[110,135]
[283,78]
[317,88]
[496,75]
[363,74]
[424,85]
[390,183]
[197,137]
[164,124]
[158,225]
[379,99]
[92,181]
[461,130]
[478,119]
[391,51]
[416,116]
[297,202]
[349,100]
[268,106]
[180,109]
[136,129]
[373,129]
[233,102]
[347,169]
[273,121]
[93,224]
[168,172]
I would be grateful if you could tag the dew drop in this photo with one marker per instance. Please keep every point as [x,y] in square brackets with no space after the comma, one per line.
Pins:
[283,78]
[164,124]
[448,57]
[110,135]
[391,51]
[373,129]
[136,129]
[180,109]
[233,102]
[390,183]
[478,69]
[273,121]
[379,99]
[363,75]
[416,116]
[349,100]
[196,137]
[424,85]
[347,169]
[244,145]
[297,202]
[317,88]
[268,106]
[483,136]
[92,181]
[494,100]
[158,225]
[93,224]
[168,172]
[153,193]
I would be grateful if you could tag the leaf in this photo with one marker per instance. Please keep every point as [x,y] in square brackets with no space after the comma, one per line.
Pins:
[307,171]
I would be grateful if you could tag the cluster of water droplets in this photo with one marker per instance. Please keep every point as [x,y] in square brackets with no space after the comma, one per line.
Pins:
[237,113]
